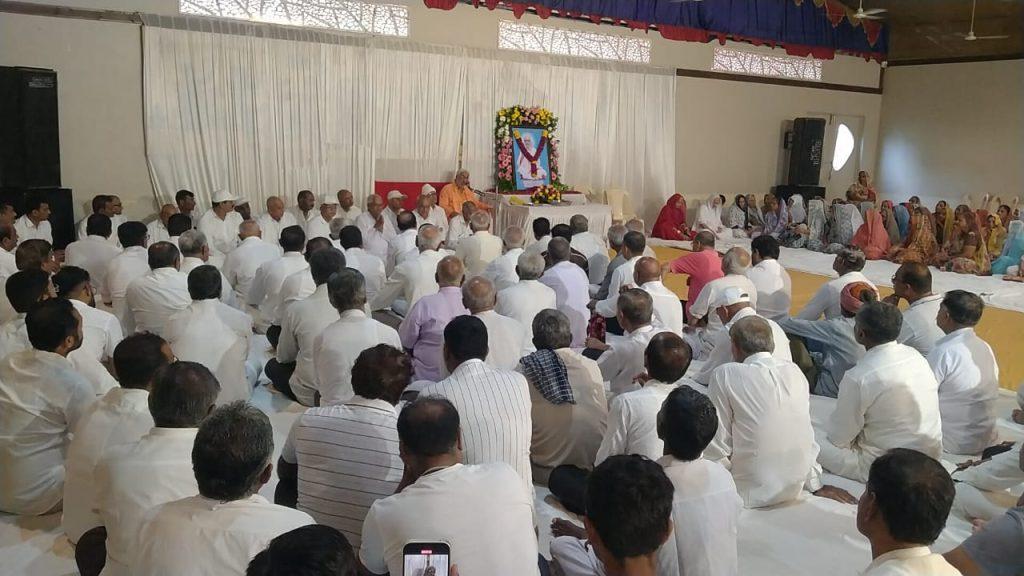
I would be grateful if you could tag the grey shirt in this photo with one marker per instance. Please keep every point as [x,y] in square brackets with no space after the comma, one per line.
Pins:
[996,549]
[602,293]
[833,340]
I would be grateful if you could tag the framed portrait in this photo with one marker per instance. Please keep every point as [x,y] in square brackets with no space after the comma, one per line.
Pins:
[530,161]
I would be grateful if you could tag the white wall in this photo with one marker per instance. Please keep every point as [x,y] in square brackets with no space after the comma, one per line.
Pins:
[728,133]
[953,129]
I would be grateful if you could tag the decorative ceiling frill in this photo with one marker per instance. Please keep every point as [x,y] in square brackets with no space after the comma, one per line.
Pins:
[819,28]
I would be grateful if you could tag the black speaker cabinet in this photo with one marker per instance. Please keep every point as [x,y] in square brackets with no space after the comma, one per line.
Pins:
[62,210]
[29,132]
[805,150]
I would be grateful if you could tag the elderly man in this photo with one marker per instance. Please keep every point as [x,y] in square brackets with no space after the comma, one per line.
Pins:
[570,285]
[454,194]
[502,270]
[480,249]
[848,264]
[395,201]
[402,245]
[913,283]
[414,278]
[888,400]
[220,224]
[336,348]
[275,219]
[493,405]
[253,251]
[764,425]
[319,226]
[507,336]
[94,252]
[347,209]
[731,306]
[377,230]
[702,266]
[243,208]
[773,285]
[265,291]
[569,409]
[575,256]
[195,251]
[668,310]
[124,268]
[525,299]
[228,522]
[303,211]
[422,329]
[616,236]
[968,376]
[155,297]
[371,267]
[622,360]
[158,228]
[458,226]
[632,250]
[735,264]
[432,214]
[583,240]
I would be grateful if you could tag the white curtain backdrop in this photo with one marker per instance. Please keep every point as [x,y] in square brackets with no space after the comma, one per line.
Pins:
[268,110]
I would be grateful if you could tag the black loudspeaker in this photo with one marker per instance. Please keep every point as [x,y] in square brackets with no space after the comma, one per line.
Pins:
[805,149]
[29,132]
[62,210]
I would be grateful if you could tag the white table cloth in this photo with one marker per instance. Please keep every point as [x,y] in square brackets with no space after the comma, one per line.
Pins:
[599,215]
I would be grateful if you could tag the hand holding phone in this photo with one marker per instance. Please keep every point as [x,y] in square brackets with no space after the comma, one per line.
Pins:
[426,559]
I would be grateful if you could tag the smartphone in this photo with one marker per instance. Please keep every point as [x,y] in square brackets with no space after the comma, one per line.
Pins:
[426,559]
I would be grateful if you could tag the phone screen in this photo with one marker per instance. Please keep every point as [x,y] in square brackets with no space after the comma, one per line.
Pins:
[426,559]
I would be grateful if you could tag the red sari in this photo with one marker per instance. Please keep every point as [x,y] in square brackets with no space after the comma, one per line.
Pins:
[671,222]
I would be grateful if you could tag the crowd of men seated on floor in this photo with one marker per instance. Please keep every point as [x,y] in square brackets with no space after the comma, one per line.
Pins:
[127,363]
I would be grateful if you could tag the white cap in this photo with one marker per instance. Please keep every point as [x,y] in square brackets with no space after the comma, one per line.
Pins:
[329,199]
[729,296]
[395,194]
[241,201]
[223,196]
[428,189]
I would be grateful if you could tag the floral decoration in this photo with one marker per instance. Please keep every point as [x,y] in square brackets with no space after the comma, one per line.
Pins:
[506,122]
[546,195]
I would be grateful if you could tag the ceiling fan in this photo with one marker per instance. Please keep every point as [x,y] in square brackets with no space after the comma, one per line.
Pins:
[970,36]
[872,14]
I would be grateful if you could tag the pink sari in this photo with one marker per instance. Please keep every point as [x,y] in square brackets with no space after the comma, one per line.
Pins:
[872,237]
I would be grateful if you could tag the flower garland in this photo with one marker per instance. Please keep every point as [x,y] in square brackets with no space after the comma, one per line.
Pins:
[546,195]
[505,136]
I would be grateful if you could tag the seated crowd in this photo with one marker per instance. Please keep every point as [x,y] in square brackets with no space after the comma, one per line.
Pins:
[444,369]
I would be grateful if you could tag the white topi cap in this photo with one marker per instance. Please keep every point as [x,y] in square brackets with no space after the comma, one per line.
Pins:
[729,296]
[223,196]
[395,194]
[329,199]
[428,189]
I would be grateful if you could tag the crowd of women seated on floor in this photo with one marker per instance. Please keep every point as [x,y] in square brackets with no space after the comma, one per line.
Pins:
[985,240]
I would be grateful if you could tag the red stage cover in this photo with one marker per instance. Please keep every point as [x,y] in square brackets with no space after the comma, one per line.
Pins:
[410,189]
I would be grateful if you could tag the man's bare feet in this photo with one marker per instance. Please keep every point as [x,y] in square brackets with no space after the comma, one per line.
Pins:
[562,527]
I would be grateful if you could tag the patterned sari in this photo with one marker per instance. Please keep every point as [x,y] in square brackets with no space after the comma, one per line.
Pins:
[920,245]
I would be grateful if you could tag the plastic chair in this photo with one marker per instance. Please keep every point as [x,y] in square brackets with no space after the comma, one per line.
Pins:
[621,204]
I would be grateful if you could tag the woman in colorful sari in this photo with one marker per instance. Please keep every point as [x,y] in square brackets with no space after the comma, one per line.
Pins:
[944,220]
[671,222]
[862,190]
[1013,248]
[965,253]
[738,217]
[709,218]
[995,235]
[891,226]
[902,212]
[872,237]
[816,225]
[920,245]
[776,217]
[756,218]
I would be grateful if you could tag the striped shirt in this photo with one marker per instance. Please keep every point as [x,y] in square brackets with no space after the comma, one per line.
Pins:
[348,459]
[494,410]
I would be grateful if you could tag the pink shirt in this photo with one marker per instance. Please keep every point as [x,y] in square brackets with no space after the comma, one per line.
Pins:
[702,267]
[422,330]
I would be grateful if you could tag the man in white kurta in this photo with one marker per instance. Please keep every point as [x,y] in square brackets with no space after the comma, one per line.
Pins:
[848,264]
[523,300]
[773,285]
[319,226]
[195,251]
[735,264]
[265,290]
[481,248]
[733,305]
[888,400]
[428,212]
[913,283]
[123,269]
[220,225]
[347,209]
[94,253]
[274,220]
[968,376]
[101,332]
[371,267]
[157,229]
[8,243]
[632,250]
[622,359]
[377,230]
[105,205]
[583,240]
[402,246]
[502,270]
[571,287]
[35,223]
[458,226]
[414,278]
[336,348]
[155,297]
[304,209]
[241,264]
[668,310]
[506,336]
[27,288]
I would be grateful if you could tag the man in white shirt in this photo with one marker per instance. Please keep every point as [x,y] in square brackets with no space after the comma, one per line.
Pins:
[35,224]
[622,359]
[913,282]
[134,478]
[502,270]
[377,230]
[735,263]
[186,202]
[903,510]
[121,416]
[303,211]
[274,220]
[323,469]
[177,225]
[732,305]
[336,348]
[428,212]
[155,297]
[481,248]
[414,278]
[583,240]
[848,264]
[265,290]
[888,400]
[506,337]
[215,335]
[24,290]
[8,243]
[228,523]
[632,250]
[525,299]
[300,285]
[571,287]
[771,281]
[394,207]
[350,239]
[101,332]
[125,268]
[541,236]
[157,229]
[458,226]
[195,251]
[241,264]
[668,310]
[436,480]
[220,225]
[93,252]
[764,423]
[347,209]
[493,405]
[319,226]
[42,399]
[968,376]
[109,206]
[402,246]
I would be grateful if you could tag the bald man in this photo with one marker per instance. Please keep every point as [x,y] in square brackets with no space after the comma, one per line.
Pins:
[422,330]
[455,193]
[275,219]
[347,209]
[241,264]
[157,228]
[506,337]
[668,310]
